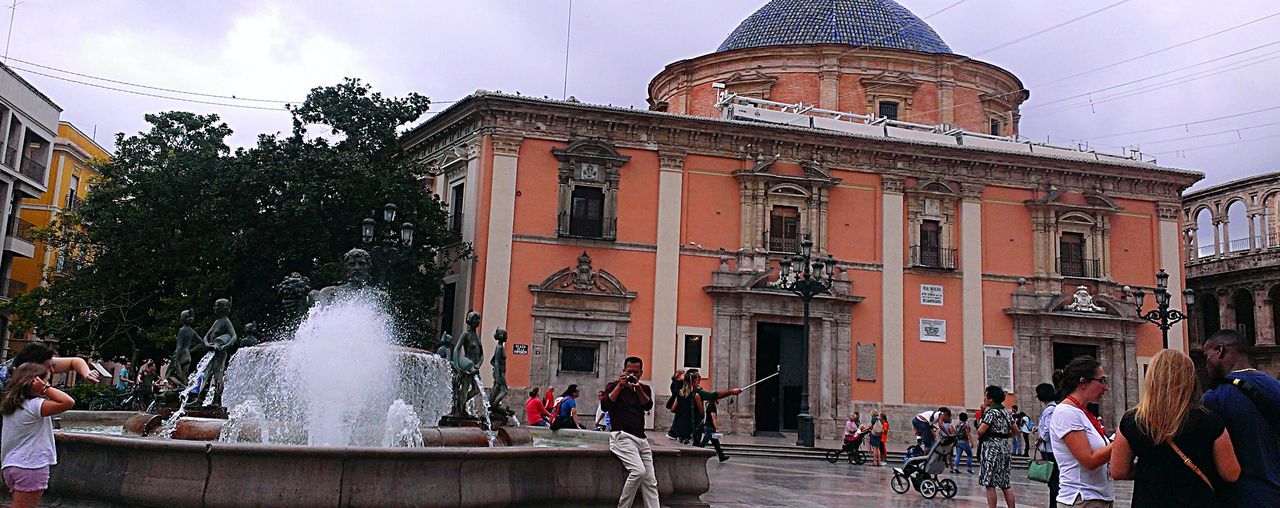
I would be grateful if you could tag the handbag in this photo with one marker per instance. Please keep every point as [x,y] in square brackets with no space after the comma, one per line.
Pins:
[1040,471]
[1187,460]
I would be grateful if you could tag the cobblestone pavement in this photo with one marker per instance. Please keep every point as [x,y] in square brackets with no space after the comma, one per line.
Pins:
[753,481]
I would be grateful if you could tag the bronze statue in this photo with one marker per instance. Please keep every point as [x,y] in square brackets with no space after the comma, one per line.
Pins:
[221,338]
[250,338]
[446,346]
[357,263]
[294,292]
[188,343]
[499,363]
[466,357]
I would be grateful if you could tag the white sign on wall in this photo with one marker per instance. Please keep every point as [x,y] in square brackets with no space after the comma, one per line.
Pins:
[997,367]
[933,330]
[931,294]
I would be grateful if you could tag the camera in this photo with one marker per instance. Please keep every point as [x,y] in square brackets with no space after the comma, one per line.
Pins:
[632,379]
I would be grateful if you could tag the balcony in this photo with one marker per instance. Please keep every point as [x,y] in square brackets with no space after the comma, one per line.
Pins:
[32,169]
[595,229]
[783,244]
[21,239]
[923,256]
[1079,268]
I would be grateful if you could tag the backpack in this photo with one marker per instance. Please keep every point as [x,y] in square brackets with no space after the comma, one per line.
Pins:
[876,428]
[1265,406]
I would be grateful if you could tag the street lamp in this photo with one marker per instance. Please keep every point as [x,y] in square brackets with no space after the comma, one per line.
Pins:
[393,247]
[1162,316]
[807,278]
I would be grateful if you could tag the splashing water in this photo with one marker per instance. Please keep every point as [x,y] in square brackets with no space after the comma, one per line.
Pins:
[193,380]
[404,428]
[489,431]
[240,417]
[333,383]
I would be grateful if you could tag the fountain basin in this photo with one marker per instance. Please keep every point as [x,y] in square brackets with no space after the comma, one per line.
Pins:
[150,472]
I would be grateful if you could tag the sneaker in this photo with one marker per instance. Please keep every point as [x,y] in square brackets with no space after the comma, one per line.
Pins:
[955,471]
[970,471]
[722,459]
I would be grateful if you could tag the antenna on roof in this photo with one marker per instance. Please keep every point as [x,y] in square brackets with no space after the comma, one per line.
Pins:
[13,10]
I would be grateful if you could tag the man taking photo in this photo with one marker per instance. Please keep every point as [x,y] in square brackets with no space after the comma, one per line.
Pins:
[626,400]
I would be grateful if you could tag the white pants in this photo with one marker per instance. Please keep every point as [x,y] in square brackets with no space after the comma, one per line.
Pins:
[637,456]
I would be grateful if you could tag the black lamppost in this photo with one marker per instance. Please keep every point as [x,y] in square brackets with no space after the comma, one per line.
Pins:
[807,278]
[391,249]
[1162,316]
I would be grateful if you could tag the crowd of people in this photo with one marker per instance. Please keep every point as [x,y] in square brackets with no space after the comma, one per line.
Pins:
[1177,446]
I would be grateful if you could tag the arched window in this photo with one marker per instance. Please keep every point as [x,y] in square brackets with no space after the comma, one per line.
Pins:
[1242,302]
[1237,227]
[1204,234]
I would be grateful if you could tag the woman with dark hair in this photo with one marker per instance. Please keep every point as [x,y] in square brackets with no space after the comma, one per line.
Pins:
[42,354]
[567,410]
[1047,395]
[995,455]
[1183,452]
[534,411]
[26,443]
[1079,443]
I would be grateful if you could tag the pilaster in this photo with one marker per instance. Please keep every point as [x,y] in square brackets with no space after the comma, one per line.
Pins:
[502,207]
[971,265]
[666,279]
[892,288]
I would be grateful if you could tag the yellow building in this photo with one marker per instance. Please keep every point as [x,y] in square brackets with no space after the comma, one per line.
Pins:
[70,176]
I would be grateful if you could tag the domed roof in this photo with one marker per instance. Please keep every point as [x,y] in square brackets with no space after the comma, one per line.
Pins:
[876,23]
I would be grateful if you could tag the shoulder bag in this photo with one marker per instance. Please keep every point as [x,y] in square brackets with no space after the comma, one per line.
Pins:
[1040,471]
[1191,465]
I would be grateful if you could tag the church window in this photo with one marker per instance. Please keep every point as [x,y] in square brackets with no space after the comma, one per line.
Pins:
[889,109]
[996,127]
[578,357]
[784,229]
[590,173]
[1072,262]
[931,208]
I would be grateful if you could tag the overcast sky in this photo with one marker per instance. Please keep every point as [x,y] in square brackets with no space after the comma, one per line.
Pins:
[446,49]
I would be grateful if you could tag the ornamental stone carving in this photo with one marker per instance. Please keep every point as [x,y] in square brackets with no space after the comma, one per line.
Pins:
[1083,301]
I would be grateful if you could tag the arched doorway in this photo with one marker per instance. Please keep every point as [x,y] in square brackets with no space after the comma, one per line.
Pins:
[1242,302]
[1209,319]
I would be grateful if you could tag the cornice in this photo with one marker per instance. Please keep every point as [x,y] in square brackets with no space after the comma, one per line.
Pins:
[646,130]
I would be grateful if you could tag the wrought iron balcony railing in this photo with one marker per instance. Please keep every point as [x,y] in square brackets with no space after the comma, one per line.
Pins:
[925,256]
[1079,267]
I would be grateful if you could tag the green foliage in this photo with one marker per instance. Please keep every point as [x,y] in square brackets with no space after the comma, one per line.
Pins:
[85,392]
[178,219]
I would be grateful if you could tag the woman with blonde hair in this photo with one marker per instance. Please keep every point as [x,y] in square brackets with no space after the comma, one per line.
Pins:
[1175,450]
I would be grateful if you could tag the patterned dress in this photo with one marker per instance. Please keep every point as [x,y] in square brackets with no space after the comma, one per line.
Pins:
[996,452]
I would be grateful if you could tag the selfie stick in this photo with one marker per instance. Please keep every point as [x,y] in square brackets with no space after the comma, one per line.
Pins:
[761,380]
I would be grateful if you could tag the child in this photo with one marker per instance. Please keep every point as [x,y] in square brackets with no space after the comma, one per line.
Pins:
[26,442]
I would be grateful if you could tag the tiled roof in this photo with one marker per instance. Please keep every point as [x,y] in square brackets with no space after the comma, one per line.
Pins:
[876,23]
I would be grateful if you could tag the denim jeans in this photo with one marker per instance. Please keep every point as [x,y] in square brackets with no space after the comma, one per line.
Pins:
[963,447]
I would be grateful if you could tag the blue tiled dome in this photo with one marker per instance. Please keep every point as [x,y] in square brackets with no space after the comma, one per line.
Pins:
[878,23]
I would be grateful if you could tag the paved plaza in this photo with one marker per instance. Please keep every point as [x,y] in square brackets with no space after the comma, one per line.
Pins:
[752,481]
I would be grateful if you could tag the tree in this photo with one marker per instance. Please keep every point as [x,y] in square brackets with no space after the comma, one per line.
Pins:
[178,220]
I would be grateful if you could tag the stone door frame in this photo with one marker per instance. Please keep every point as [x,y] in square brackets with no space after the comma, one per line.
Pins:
[740,303]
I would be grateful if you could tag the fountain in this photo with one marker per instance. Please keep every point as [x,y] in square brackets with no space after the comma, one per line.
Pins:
[340,415]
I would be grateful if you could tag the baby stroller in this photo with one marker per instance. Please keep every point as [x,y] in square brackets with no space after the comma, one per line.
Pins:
[922,472]
[852,447]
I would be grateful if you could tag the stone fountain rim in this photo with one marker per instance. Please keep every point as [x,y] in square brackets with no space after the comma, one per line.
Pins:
[442,452]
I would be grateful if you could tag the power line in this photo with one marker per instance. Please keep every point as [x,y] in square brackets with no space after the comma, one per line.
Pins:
[1236,130]
[1006,44]
[1185,124]
[1159,74]
[1110,65]
[568,31]
[1194,148]
[146,94]
[884,37]
[1266,57]
[150,87]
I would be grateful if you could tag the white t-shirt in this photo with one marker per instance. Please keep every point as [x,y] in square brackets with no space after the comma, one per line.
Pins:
[1076,482]
[928,417]
[26,439]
